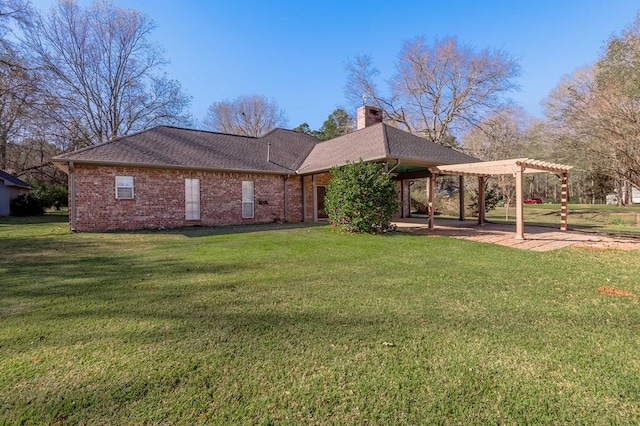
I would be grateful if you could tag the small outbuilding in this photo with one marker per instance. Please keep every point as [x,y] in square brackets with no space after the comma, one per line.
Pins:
[10,188]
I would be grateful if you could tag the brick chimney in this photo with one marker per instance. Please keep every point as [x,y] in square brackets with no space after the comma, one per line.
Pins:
[368,116]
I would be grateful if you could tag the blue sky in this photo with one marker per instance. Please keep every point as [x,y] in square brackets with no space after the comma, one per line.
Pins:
[295,51]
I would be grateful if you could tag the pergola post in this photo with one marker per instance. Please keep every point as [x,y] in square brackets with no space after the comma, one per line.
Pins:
[431,196]
[563,203]
[481,204]
[519,205]
[461,192]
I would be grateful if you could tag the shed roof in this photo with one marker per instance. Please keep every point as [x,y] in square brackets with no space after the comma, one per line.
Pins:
[10,180]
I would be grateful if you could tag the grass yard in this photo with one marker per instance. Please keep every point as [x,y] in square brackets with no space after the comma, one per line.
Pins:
[297,325]
[598,218]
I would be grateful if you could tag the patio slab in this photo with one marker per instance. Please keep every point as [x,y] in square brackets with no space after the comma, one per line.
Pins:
[537,238]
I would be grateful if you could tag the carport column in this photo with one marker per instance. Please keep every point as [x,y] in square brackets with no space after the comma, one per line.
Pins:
[461,192]
[402,199]
[563,203]
[519,208]
[431,188]
[314,198]
[481,205]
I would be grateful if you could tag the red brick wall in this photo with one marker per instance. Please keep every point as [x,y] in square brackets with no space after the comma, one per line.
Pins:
[159,198]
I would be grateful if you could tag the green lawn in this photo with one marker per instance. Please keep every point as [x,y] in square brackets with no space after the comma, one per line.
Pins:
[598,218]
[297,325]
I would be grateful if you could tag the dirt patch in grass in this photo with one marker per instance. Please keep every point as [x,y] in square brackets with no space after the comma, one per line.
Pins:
[612,291]
[607,243]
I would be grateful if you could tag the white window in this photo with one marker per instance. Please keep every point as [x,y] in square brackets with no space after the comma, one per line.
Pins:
[192,199]
[124,187]
[247,199]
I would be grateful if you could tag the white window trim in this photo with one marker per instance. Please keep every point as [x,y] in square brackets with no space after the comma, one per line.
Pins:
[191,199]
[248,194]
[122,182]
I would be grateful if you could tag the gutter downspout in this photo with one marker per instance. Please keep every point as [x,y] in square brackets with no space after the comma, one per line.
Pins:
[394,167]
[72,196]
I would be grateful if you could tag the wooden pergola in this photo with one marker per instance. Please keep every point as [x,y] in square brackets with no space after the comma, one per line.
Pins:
[516,167]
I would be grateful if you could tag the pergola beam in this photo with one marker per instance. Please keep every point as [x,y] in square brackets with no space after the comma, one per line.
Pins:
[501,167]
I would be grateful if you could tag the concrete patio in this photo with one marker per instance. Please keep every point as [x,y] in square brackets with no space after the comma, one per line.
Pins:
[537,238]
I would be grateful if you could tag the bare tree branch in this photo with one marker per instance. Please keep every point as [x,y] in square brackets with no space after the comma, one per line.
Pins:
[247,115]
[437,89]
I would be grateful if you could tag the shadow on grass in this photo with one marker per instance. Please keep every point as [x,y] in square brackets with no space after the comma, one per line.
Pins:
[56,217]
[45,267]
[205,231]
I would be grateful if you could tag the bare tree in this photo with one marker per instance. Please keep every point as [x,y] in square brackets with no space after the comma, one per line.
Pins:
[18,94]
[11,12]
[17,82]
[500,136]
[599,123]
[247,115]
[103,72]
[437,89]
[596,113]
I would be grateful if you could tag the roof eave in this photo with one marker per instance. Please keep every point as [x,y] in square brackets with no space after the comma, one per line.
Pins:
[414,161]
[325,168]
[63,164]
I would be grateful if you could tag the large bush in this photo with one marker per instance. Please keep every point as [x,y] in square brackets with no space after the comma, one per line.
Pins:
[361,197]
[26,205]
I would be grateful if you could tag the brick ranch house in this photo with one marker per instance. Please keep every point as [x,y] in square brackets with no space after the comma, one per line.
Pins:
[172,177]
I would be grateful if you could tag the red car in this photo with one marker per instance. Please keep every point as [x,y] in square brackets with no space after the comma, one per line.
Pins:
[532,201]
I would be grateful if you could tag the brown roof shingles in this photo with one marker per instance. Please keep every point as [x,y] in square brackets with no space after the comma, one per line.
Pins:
[366,144]
[280,151]
[183,148]
[407,146]
[379,142]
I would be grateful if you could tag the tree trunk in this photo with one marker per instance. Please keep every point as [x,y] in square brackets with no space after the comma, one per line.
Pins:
[3,150]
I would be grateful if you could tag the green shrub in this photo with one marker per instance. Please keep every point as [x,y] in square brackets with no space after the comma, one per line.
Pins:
[50,195]
[26,205]
[361,197]
[491,201]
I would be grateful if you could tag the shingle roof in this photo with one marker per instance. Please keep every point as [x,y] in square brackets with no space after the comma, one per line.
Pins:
[379,142]
[10,180]
[287,151]
[173,147]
